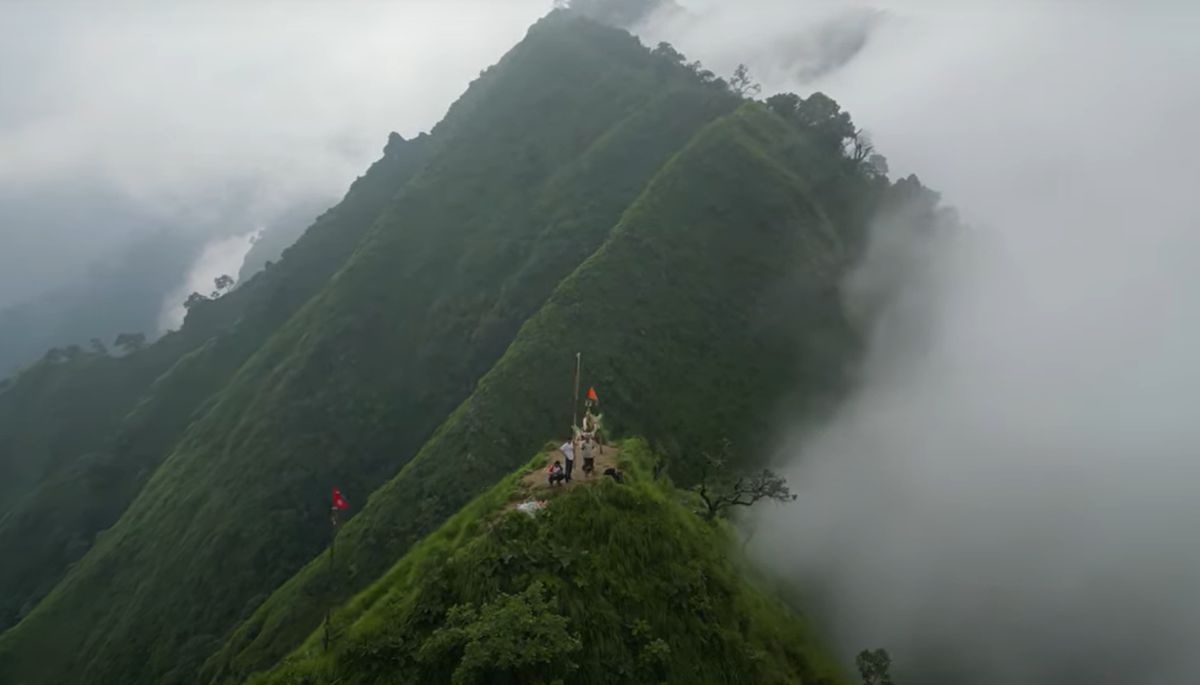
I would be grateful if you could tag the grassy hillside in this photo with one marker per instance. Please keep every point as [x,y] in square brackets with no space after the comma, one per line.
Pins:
[712,301]
[525,176]
[81,434]
[584,195]
[610,583]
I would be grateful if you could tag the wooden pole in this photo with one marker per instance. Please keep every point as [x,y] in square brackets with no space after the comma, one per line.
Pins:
[575,395]
[332,566]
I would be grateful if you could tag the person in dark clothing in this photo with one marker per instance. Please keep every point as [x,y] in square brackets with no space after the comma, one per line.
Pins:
[615,474]
[556,473]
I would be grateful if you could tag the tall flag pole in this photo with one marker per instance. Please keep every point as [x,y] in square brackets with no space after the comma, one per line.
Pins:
[575,394]
[591,421]
[338,503]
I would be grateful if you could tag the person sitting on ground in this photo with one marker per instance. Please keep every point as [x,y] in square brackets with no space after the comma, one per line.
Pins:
[615,474]
[557,475]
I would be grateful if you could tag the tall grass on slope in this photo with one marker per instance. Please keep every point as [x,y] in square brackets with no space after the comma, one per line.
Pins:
[629,584]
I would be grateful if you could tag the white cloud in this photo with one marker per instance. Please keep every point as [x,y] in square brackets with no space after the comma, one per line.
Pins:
[217,116]
[222,256]
[1013,490]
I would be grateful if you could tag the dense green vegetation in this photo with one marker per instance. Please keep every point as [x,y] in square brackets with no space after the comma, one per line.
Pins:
[585,194]
[363,373]
[677,282]
[87,428]
[609,584]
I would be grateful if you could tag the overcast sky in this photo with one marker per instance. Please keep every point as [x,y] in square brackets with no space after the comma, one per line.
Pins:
[120,117]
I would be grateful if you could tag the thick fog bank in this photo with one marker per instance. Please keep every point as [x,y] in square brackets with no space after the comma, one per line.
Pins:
[125,118]
[185,125]
[1010,496]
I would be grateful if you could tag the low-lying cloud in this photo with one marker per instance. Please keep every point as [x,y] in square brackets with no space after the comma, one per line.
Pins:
[210,117]
[1009,496]
[787,43]
[219,258]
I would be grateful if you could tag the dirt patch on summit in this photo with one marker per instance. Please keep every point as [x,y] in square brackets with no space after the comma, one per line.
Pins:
[535,484]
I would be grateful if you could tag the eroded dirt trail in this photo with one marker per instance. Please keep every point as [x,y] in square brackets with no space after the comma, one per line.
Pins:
[534,484]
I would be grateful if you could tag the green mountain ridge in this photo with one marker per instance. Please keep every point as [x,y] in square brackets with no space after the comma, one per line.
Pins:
[120,416]
[609,583]
[416,343]
[735,277]
[322,391]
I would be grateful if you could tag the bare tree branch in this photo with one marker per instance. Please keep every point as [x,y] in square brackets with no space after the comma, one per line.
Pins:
[719,490]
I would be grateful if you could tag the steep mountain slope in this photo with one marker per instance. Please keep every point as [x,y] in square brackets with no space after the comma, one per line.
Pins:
[281,234]
[713,299]
[519,186]
[585,194]
[609,583]
[81,432]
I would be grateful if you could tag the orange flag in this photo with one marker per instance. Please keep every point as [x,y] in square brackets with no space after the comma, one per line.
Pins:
[592,395]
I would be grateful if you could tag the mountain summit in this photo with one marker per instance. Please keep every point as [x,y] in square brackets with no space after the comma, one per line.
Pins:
[166,508]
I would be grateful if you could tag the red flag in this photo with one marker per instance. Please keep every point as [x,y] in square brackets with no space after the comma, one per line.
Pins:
[592,395]
[339,502]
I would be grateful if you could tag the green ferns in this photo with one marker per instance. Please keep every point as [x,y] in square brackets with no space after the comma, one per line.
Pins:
[609,584]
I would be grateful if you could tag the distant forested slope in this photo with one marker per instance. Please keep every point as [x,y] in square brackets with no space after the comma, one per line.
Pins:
[83,429]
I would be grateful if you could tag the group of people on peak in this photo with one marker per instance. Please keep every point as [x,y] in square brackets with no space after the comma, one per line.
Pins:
[585,441]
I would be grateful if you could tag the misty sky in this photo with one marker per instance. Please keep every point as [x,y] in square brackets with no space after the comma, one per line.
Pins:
[1010,497]
[1013,489]
[120,118]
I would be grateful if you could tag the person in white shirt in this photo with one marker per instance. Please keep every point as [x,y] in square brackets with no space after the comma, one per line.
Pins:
[589,463]
[568,451]
[591,427]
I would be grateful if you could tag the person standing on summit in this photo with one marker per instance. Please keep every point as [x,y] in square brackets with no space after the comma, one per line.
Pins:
[589,463]
[591,428]
[568,450]
[591,421]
